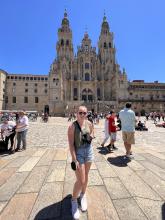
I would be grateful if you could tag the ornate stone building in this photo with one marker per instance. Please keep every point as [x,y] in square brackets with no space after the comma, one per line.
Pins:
[89,78]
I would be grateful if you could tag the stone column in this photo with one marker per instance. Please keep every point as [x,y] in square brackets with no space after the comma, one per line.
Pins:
[95,91]
[71,90]
[79,90]
[102,91]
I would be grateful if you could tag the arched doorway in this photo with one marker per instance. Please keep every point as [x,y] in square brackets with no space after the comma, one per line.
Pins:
[46,109]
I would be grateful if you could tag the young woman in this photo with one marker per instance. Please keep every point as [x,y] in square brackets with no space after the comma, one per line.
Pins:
[79,137]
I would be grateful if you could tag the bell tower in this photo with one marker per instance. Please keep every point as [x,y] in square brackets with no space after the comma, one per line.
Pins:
[106,48]
[106,58]
[64,44]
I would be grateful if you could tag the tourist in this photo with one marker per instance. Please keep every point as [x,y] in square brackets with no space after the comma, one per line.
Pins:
[128,121]
[161,125]
[21,129]
[112,130]
[8,133]
[82,156]
[106,130]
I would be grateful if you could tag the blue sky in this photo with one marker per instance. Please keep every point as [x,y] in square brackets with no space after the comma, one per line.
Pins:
[29,33]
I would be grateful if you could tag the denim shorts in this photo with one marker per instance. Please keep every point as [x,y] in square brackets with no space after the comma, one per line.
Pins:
[85,154]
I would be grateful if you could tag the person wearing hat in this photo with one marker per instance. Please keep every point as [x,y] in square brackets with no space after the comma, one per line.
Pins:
[21,129]
[8,133]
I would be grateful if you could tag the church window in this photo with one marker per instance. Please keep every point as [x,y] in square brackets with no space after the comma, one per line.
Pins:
[86,65]
[67,42]
[35,84]
[110,45]
[27,78]
[36,99]
[14,84]
[31,78]
[6,99]
[26,90]
[15,77]
[70,65]
[14,99]
[42,78]
[20,77]
[26,99]
[87,77]
[46,91]
[98,92]
[86,47]
[46,79]
[46,84]
[105,45]
[62,42]
[26,84]
[75,93]
[35,90]
[75,77]
[8,77]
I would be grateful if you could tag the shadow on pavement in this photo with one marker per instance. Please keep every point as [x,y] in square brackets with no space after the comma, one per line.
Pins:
[57,211]
[119,161]
[103,150]
[163,211]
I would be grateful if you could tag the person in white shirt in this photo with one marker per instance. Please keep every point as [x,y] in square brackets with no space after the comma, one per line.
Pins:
[8,133]
[106,130]
[21,129]
[128,122]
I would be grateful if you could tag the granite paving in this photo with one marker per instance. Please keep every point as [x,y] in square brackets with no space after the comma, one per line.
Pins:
[37,183]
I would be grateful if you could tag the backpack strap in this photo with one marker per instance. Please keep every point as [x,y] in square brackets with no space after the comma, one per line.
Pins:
[78,126]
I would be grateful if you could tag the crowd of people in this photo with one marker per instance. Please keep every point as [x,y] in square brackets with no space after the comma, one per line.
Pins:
[80,136]
[12,130]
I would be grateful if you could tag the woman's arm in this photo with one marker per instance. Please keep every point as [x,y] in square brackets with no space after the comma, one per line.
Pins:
[71,142]
[2,131]
[91,127]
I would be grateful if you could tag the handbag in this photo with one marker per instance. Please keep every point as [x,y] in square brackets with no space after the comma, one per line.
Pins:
[3,146]
[86,138]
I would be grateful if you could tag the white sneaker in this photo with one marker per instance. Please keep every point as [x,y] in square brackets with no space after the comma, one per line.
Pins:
[75,210]
[83,202]
[129,156]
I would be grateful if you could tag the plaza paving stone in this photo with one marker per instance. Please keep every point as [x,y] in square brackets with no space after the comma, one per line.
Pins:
[37,183]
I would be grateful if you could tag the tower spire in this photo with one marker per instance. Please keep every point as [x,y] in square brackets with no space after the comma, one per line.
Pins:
[65,14]
[104,18]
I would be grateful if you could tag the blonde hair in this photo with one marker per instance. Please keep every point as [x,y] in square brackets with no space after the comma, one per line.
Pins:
[82,106]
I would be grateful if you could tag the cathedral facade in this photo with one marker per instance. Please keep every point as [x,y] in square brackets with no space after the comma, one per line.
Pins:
[88,78]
